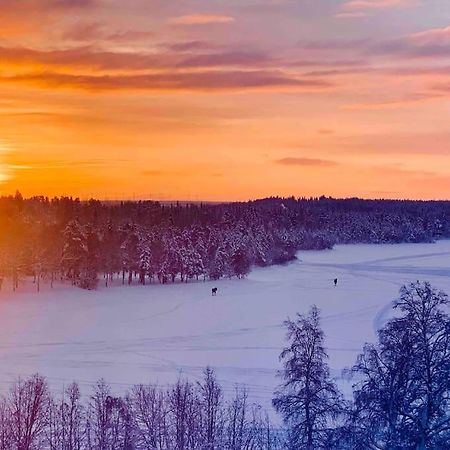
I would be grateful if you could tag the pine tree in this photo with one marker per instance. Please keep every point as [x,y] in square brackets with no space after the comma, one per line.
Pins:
[74,251]
[240,262]
[110,252]
[129,252]
[144,261]
[90,264]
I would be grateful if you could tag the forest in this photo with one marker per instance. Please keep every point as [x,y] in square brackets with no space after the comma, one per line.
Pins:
[400,401]
[87,242]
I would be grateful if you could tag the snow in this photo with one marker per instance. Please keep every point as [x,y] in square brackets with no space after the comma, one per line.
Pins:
[154,333]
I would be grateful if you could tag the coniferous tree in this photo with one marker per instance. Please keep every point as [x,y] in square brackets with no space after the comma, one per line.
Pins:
[75,251]
[240,262]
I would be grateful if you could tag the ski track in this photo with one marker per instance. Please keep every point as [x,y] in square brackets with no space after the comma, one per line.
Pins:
[155,333]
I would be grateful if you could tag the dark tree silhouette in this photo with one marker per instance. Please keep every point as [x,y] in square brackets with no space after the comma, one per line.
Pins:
[403,398]
[308,399]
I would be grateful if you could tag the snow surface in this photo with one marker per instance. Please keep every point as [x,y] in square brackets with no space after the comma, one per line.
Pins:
[142,334]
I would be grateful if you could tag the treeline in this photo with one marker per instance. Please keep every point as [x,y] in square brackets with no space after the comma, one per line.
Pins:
[184,416]
[147,242]
[401,398]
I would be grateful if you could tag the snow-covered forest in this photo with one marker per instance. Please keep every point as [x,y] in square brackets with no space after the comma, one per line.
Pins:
[147,242]
[400,398]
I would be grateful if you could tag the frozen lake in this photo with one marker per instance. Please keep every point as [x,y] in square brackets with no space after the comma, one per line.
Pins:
[153,333]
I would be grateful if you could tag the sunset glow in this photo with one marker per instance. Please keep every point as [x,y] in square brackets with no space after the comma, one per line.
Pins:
[225,100]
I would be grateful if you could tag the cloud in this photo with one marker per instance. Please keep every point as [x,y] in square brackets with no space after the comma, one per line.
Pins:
[83,32]
[43,5]
[201,19]
[404,101]
[38,17]
[350,15]
[71,3]
[91,67]
[433,36]
[190,46]
[414,174]
[425,44]
[410,143]
[86,57]
[363,8]
[430,43]
[170,81]
[57,164]
[230,58]
[433,71]
[88,32]
[336,72]
[327,63]
[442,87]
[91,57]
[165,173]
[367,5]
[307,162]
[334,44]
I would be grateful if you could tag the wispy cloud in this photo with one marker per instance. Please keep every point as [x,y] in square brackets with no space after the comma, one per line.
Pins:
[351,15]
[307,162]
[395,103]
[433,36]
[363,8]
[94,32]
[95,58]
[189,46]
[444,88]
[201,19]
[228,58]
[429,43]
[66,163]
[182,81]
[40,4]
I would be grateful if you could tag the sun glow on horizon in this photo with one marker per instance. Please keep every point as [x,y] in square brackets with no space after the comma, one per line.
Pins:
[5,172]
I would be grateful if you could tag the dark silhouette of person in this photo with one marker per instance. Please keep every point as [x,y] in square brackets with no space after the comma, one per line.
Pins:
[335,281]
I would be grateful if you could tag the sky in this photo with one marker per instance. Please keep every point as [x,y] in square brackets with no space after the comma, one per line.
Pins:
[225,99]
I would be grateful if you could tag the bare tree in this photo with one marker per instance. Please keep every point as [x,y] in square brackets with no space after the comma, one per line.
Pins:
[65,429]
[211,410]
[307,399]
[5,426]
[237,420]
[184,411]
[149,406]
[403,398]
[28,410]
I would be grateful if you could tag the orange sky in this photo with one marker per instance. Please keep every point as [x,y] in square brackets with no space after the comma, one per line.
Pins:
[225,100]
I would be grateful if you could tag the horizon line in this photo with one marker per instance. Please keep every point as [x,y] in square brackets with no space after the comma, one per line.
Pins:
[211,201]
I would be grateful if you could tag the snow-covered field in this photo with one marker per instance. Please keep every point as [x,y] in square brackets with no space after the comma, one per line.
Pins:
[153,333]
